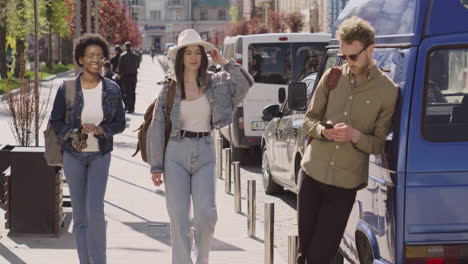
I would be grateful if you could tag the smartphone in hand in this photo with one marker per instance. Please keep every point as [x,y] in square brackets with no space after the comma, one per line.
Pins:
[327,125]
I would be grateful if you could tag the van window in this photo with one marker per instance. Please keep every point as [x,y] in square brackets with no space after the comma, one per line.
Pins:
[279,63]
[446,96]
[306,59]
[270,62]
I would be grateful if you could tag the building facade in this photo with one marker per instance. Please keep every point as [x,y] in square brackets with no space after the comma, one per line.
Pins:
[161,21]
[319,15]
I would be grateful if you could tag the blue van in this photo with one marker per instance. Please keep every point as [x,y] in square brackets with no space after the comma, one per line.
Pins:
[415,208]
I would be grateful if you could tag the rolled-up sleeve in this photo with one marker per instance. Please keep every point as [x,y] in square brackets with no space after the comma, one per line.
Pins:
[240,81]
[155,139]
[316,110]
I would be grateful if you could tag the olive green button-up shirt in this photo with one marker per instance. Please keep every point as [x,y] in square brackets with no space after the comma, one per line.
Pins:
[368,107]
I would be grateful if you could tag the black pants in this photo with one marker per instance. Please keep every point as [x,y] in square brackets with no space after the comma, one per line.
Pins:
[129,85]
[323,212]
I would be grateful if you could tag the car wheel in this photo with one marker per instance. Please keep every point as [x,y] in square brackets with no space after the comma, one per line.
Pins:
[269,185]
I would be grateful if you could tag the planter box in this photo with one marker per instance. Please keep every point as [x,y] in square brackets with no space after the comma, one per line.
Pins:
[32,193]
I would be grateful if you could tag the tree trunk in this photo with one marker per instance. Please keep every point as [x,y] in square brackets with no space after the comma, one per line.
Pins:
[20,60]
[3,25]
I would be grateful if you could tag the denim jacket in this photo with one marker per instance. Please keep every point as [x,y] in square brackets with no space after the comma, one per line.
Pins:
[224,90]
[113,120]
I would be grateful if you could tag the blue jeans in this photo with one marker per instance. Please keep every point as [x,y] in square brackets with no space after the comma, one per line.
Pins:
[190,177]
[87,174]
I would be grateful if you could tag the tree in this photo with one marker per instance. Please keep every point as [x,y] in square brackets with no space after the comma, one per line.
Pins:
[276,22]
[54,12]
[20,25]
[240,28]
[295,21]
[3,34]
[114,25]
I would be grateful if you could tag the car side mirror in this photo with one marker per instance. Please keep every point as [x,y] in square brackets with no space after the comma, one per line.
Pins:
[281,95]
[297,96]
[271,112]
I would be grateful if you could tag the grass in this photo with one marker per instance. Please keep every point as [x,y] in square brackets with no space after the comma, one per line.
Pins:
[46,72]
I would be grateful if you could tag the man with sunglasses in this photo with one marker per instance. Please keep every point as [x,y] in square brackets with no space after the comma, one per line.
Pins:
[349,117]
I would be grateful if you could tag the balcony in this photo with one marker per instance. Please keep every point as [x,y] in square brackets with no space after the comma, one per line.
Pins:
[175,4]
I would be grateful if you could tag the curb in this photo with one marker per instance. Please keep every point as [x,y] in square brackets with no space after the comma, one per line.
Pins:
[50,78]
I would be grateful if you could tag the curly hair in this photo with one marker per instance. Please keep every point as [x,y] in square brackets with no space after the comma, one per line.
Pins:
[86,40]
[356,28]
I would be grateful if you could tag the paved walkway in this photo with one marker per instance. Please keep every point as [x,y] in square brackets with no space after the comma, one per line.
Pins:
[137,221]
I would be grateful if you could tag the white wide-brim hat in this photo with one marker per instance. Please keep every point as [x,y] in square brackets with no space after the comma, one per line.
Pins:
[189,37]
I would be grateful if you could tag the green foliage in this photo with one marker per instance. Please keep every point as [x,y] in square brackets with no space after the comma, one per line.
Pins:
[54,13]
[234,13]
[58,68]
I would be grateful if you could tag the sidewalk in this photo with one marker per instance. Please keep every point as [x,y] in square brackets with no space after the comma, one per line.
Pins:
[137,221]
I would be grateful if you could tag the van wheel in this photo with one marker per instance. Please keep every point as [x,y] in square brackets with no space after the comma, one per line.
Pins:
[337,259]
[269,185]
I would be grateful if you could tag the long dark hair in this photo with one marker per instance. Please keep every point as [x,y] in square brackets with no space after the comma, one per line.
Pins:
[179,68]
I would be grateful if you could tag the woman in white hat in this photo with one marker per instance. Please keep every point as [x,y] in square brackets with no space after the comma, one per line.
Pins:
[203,101]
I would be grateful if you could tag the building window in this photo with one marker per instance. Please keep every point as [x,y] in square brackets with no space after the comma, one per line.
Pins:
[203,14]
[174,2]
[222,14]
[155,15]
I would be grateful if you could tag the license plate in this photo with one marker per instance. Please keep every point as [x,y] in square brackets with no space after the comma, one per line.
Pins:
[258,125]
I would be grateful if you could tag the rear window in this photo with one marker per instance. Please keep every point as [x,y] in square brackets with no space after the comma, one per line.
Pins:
[280,63]
[446,96]
[270,62]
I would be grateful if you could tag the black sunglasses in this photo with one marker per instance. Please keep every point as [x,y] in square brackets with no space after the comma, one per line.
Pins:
[352,57]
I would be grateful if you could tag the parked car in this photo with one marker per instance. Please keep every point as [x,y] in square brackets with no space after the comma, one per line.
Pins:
[273,60]
[413,209]
[283,142]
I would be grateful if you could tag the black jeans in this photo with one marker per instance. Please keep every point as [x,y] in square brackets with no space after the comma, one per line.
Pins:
[129,82]
[323,212]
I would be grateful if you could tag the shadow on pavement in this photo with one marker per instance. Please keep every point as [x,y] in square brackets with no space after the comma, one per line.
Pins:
[125,145]
[160,231]
[10,256]
[64,240]
[130,161]
[158,192]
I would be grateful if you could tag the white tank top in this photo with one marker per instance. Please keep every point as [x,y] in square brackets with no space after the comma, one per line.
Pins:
[92,114]
[195,116]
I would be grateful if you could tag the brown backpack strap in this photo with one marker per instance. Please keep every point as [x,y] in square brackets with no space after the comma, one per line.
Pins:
[170,97]
[333,78]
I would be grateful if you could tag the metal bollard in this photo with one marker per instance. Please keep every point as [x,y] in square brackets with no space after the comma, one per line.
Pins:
[227,170]
[237,187]
[292,249]
[219,158]
[251,208]
[269,232]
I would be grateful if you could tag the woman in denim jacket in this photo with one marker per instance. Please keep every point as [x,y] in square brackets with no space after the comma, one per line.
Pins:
[87,140]
[203,101]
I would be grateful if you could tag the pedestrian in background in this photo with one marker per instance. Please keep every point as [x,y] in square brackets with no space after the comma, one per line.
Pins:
[107,70]
[153,53]
[347,124]
[203,101]
[115,60]
[87,140]
[128,70]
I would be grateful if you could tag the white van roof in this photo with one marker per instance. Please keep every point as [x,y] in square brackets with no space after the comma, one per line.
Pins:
[273,37]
